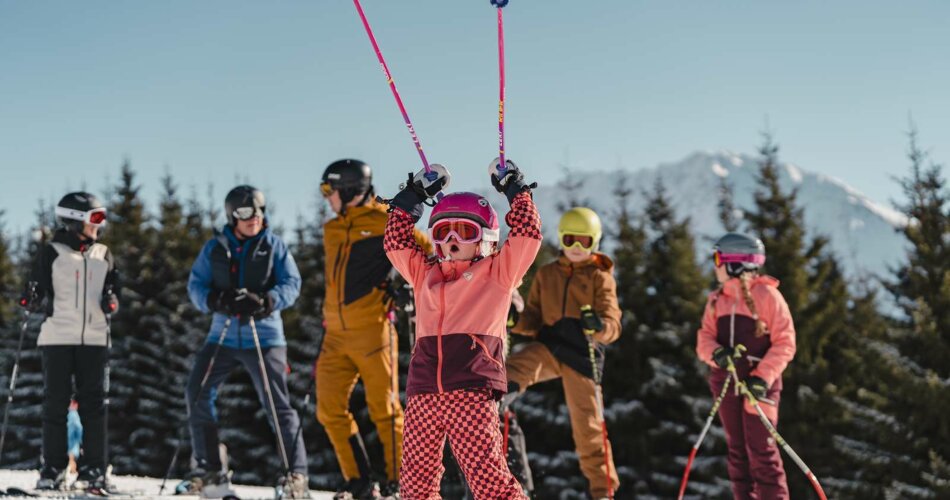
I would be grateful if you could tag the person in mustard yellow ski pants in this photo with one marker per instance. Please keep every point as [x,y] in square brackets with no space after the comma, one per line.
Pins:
[360,342]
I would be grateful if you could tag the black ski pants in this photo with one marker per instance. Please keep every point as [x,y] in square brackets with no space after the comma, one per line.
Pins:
[61,365]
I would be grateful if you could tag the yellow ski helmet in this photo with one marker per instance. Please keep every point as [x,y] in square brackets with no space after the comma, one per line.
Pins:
[579,221]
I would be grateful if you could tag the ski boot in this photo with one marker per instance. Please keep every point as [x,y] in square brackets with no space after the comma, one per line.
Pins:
[193,481]
[51,478]
[94,481]
[390,491]
[217,484]
[358,489]
[293,485]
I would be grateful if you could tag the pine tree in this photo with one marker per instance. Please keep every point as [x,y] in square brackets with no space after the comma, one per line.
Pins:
[24,437]
[130,239]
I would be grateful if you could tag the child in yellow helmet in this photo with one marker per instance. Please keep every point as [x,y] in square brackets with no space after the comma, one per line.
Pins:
[571,298]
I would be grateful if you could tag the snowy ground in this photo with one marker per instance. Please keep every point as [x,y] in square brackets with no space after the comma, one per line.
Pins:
[148,486]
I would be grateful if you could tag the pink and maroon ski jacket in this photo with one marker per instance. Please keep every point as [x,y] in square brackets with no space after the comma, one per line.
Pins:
[462,306]
[727,321]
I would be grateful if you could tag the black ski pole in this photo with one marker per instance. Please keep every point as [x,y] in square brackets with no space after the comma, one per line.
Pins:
[16,368]
[201,387]
[394,390]
[270,396]
[311,388]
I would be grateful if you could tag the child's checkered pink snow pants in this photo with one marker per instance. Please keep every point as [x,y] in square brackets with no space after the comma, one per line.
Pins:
[469,419]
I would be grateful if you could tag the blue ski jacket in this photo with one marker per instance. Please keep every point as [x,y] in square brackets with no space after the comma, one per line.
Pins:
[261,264]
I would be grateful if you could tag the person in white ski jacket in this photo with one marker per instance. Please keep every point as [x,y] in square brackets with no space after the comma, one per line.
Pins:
[73,281]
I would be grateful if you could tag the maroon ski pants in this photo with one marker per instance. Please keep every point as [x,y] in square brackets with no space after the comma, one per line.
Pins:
[469,419]
[754,459]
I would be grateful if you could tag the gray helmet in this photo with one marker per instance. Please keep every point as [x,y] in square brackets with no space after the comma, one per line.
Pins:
[739,253]
[244,197]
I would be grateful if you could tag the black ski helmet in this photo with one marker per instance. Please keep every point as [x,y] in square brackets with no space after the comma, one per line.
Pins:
[79,208]
[739,253]
[351,178]
[244,196]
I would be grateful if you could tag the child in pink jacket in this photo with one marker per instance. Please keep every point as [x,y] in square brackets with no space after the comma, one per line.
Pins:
[748,309]
[457,371]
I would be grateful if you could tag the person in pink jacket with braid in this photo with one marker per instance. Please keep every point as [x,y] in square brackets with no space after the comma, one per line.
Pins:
[748,309]
[457,371]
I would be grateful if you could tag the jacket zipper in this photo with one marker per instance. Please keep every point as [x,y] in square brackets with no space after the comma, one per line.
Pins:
[438,373]
[339,271]
[82,335]
[477,342]
[567,286]
[732,327]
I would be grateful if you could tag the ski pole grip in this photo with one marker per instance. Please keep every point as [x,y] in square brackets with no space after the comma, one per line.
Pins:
[587,308]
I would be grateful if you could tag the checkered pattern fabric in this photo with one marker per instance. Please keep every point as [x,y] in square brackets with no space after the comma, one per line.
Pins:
[470,421]
[399,232]
[523,219]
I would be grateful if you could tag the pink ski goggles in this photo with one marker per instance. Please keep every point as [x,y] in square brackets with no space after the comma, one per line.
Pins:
[464,231]
[720,258]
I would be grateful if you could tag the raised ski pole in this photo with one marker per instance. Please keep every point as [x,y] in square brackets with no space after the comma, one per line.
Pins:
[600,402]
[702,435]
[392,86]
[201,387]
[270,396]
[772,431]
[502,166]
[16,369]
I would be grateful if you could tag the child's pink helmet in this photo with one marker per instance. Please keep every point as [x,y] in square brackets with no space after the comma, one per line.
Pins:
[473,207]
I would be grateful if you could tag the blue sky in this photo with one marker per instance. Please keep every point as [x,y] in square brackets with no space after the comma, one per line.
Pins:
[217,91]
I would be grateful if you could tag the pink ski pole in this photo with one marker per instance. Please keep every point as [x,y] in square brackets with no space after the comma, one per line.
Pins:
[392,86]
[502,166]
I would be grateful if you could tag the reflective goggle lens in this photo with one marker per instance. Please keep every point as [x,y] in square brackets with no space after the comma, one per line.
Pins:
[717,258]
[246,213]
[326,189]
[586,242]
[97,217]
[464,231]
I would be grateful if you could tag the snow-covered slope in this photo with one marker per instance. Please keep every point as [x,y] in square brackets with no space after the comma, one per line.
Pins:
[144,487]
[863,233]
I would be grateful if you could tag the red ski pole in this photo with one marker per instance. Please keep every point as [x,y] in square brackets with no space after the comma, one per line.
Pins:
[773,432]
[392,86]
[702,436]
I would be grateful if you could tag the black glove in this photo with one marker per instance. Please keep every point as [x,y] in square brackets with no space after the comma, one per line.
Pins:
[567,331]
[109,302]
[419,188]
[591,321]
[30,299]
[400,295]
[511,182]
[267,309]
[757,387]
[248,304]
[222,301]
[722,355]
[513,316]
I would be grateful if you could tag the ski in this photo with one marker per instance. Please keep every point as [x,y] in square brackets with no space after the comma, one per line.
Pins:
[69,494]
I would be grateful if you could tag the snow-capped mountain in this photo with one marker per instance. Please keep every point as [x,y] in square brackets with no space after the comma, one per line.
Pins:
[863,233]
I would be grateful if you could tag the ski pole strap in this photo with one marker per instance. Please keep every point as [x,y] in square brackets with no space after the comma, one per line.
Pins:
[392,85]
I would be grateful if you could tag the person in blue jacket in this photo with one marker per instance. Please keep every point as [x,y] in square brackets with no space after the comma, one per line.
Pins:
[244,272]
